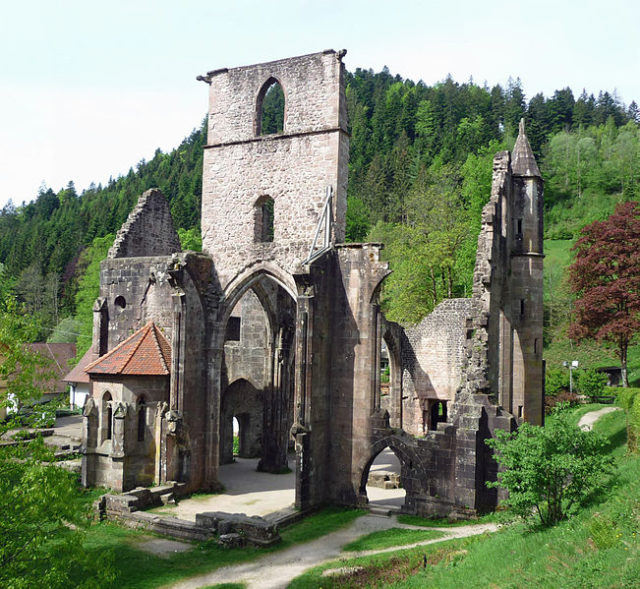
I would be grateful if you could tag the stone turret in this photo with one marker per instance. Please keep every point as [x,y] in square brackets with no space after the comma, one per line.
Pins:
[525,292]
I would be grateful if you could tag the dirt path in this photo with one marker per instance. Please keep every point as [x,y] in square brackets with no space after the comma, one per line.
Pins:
[588,419]
[276,571]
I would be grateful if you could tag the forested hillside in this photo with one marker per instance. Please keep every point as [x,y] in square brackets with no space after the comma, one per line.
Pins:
[419,174]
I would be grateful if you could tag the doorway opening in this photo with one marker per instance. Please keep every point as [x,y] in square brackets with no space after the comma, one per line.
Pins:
[383,480]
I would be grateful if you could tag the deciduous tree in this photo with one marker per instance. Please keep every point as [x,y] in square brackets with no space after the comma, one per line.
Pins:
[606,278]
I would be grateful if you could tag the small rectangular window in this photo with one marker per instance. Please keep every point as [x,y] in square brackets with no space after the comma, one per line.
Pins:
[232,333]
[521,306]
[519,231]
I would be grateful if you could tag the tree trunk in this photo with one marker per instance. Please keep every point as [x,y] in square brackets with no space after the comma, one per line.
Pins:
[623,363]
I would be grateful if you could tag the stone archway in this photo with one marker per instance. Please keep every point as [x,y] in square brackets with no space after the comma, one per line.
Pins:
[406,458]
[242,400]
[258,327]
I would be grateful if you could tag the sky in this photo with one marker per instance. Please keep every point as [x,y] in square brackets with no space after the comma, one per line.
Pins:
[88,88]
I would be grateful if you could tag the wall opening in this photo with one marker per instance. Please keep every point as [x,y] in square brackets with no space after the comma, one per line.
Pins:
[263,215]
[270,108]
[385,375]
[258,364]
[257,404]
[107,417]
[384,481]
[236,436]
[120,303]
[232,333]
[142,418]
[434,413]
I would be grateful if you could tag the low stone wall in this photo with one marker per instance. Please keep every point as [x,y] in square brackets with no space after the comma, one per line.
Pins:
[256,530]
[232,529]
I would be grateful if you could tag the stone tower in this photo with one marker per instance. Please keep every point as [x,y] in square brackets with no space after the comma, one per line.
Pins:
[292,169]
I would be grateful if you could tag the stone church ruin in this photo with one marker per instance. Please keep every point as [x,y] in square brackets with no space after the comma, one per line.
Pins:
[277,322]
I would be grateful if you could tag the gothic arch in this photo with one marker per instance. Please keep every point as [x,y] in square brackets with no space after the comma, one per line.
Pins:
[246,279]
[264,89]
[404,453]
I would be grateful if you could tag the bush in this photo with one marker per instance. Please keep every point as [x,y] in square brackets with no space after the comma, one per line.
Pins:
[555,381]
[629,400]
[549,470]
[592,383]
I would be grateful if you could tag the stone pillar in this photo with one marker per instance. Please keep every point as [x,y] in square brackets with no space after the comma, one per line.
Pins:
[100,342]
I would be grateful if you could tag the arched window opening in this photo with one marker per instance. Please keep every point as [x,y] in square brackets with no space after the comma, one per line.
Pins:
[270,108]
[107,416]
[142,418]
[263,220]
[120,303]
[385,369]
[236,436]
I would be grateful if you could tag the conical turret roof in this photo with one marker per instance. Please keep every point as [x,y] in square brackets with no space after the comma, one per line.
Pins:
[523,162]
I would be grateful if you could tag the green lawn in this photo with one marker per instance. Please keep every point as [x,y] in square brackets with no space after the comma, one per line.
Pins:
[598,547]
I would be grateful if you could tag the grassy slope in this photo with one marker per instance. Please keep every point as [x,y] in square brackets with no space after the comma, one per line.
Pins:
[596,548]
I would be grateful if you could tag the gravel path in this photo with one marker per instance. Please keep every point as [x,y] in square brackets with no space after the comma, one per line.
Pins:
[276,571]
[588,419]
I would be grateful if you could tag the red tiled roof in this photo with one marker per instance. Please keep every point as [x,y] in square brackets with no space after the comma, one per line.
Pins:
[146,353]
[78,373]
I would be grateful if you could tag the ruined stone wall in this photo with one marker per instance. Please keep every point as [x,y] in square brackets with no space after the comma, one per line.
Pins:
[433,359]
[148,230]
[193,292]
[136,291]
[294,167]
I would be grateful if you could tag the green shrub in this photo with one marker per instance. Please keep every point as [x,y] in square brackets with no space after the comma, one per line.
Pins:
[625,396]
[555,381]
[549,470]
[592,383]
[629,400]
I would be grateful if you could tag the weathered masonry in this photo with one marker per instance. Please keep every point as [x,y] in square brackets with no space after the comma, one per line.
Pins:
[277,322]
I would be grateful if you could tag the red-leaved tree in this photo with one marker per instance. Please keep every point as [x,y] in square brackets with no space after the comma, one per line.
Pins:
[606,279]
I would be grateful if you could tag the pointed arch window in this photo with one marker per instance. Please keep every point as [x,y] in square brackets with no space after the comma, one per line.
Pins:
[107,416]
[270,108]
[263,220]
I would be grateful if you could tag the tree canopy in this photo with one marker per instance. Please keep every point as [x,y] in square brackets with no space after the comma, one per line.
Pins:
[606,278]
